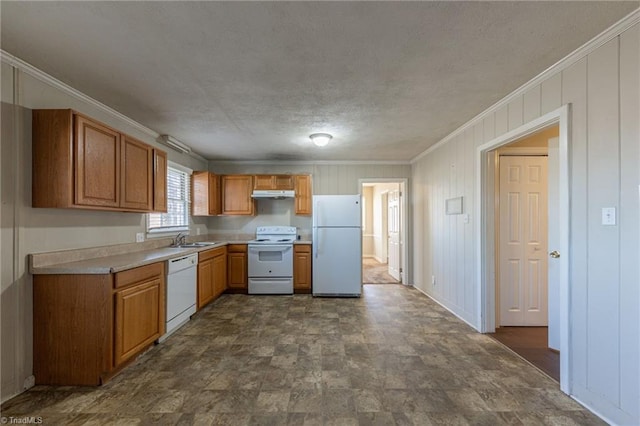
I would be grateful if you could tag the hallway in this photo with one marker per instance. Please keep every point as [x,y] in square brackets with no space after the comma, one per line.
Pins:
[374,272]
[392,356]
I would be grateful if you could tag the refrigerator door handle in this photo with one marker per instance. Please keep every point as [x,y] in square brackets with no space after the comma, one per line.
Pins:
[316,243]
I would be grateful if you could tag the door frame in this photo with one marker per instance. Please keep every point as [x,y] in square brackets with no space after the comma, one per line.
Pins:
[485,228]
[404,220]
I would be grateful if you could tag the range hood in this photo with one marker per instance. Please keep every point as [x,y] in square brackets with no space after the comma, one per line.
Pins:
[273,193]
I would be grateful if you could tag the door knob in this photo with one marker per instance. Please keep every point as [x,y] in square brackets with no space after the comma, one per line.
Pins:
[555,254]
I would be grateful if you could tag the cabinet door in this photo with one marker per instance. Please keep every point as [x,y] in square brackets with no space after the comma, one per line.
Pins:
[137,175]
[237,267]
[214,195]
[264,182]
[303,194]
[159,181]
[219,274]
[206,291]
[205,194]
[236,195]
[138,318]
[302,268]
[97,159]
[283,182]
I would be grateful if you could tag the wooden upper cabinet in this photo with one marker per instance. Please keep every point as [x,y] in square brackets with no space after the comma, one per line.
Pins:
[266,182]
[137,175]
[97,159]
[262,182]
[236,195]
[81,163]
[303,194]
[205,194]
[159,181]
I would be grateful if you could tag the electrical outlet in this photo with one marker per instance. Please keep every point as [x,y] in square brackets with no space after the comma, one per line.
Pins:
[608,215]
[197,231]
[139,237]
[433,280]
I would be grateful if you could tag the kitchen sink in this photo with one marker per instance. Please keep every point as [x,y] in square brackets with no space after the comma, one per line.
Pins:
[196,245]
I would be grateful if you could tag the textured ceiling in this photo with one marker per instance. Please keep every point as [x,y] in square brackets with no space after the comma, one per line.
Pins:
[252,80]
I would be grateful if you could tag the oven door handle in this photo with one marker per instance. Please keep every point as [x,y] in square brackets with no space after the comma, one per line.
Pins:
[283,249]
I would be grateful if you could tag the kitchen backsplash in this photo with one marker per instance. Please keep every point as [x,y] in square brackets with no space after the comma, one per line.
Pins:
[268,212]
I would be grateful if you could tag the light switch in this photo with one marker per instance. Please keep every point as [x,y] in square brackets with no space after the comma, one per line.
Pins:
[609,216]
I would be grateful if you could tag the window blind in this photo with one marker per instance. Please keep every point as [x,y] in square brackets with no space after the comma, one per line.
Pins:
[177,216]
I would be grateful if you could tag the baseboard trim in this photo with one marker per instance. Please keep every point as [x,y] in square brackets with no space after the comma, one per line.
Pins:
[447,308]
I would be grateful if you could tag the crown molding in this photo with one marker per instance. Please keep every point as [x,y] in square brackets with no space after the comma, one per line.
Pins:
[309,163]
[604,37]
[37,73]
[63,87]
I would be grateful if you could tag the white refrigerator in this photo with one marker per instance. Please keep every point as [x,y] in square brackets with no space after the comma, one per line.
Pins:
[337,245]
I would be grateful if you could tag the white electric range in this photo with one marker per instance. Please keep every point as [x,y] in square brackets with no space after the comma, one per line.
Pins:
[270,260]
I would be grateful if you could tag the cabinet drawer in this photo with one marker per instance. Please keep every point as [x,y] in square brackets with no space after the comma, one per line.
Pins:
[136,275]
[302,248]
[237,248]
[210,254]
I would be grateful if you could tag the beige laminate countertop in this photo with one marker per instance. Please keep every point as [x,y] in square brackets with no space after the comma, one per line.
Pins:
[109,264]
[120,262]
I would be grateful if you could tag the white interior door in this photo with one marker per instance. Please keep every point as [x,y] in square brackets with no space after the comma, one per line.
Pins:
[393,220]
[523,241]
[553,270]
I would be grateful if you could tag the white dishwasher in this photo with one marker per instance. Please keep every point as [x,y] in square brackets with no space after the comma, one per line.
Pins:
[181,291]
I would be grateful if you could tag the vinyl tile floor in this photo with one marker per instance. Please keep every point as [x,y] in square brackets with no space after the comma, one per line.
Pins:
[391,357]
[374,272]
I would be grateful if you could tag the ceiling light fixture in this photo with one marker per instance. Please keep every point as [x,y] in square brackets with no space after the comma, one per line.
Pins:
[320,139]
[174,143]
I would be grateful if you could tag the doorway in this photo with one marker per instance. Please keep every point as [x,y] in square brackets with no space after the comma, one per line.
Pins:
[524,204]
[558,239]
[383,221]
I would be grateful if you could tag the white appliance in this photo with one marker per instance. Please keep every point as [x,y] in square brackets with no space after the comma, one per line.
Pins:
[273,193]
[270,260]
[181,291]
[337,245]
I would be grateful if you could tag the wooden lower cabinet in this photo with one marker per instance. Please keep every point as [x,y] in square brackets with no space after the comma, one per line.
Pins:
[302,268]
[138,319]
[212,274]
[87,327]
[220,273]
[237,281]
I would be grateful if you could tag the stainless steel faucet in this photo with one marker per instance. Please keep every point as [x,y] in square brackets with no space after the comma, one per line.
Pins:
[179,239]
